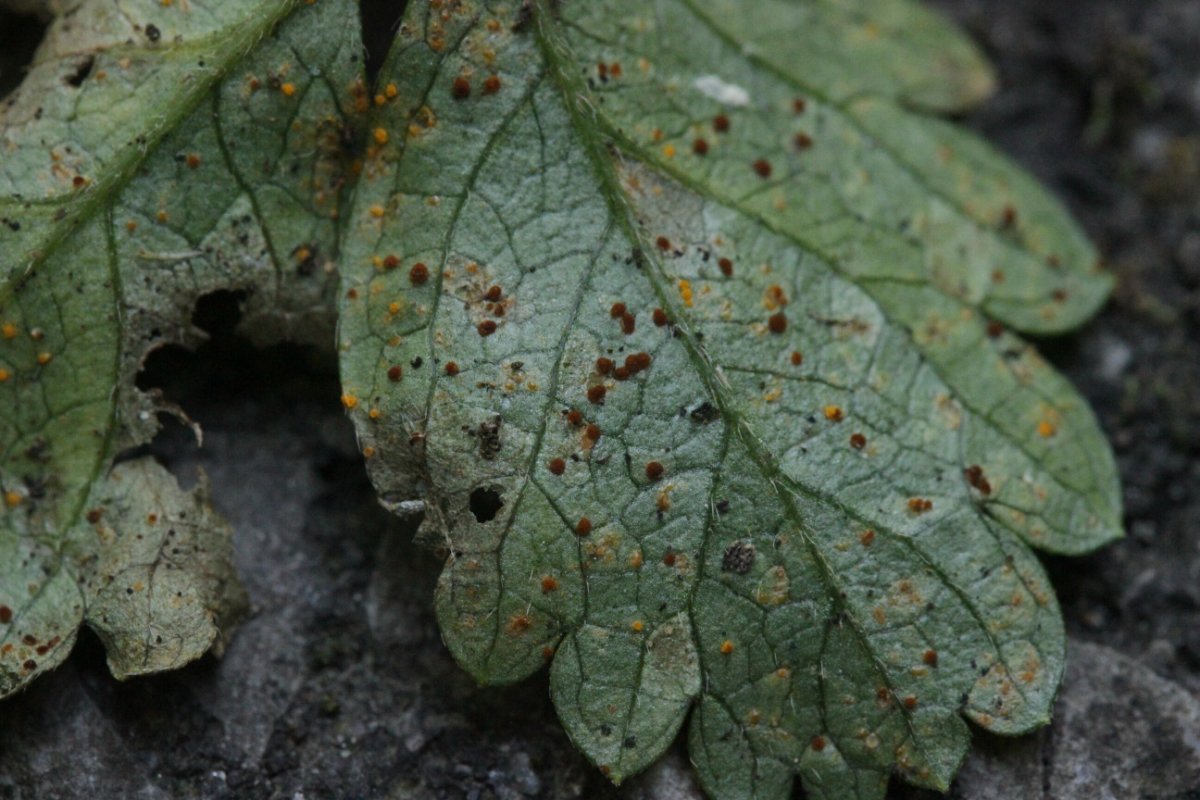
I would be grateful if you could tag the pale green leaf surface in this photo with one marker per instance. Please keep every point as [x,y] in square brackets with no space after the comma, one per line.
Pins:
[199,174]
[777,575]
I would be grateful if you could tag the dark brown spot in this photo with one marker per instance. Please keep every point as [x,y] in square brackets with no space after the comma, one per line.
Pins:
[6,615]
[663,243]
[418,274]
[762,168]
[593,432]
[583,527]
[930,657]
[628,323]
[461,88]
[726,266]
[595,394]
[604,365]
[491,85]
[975,477]
[738,557]
[486,328]
[799,104]
[818,743]
[802,141]
[575,417]
[617,311]
[654,470]
[700,147]
[721,123]
[858,441]
[493,294]
[395,373]
[1008,217]
[451,368]
[777,323]
[557,466]
[660,317]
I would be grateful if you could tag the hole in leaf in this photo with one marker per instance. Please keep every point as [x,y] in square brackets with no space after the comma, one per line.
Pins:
[485,504]
[380,21]
[82,70]
[19,37]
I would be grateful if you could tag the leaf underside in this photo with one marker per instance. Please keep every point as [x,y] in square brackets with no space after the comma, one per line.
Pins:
[694,336]
[154,153]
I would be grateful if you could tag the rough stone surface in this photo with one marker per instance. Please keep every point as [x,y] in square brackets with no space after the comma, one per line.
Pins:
[338,685]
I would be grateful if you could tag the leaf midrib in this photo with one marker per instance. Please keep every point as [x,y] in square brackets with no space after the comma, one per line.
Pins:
[594,146]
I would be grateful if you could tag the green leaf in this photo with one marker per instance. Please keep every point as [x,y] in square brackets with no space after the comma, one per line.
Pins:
[691,337]
[153,155]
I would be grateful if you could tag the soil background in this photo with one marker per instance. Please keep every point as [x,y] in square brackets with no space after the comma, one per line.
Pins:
[338,685]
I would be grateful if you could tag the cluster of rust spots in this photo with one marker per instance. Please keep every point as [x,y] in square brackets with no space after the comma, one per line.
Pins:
[606,71]
[919,505]
[389,92]
[628,321]
[975,477]
[634,363]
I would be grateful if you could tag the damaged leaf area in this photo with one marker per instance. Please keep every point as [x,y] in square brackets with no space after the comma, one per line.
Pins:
[696,339]
[156,152]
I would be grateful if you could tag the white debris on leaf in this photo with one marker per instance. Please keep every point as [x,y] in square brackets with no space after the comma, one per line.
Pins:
[723,92]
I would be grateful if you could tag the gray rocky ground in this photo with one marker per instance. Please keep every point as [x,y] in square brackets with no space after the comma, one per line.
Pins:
[338,685]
